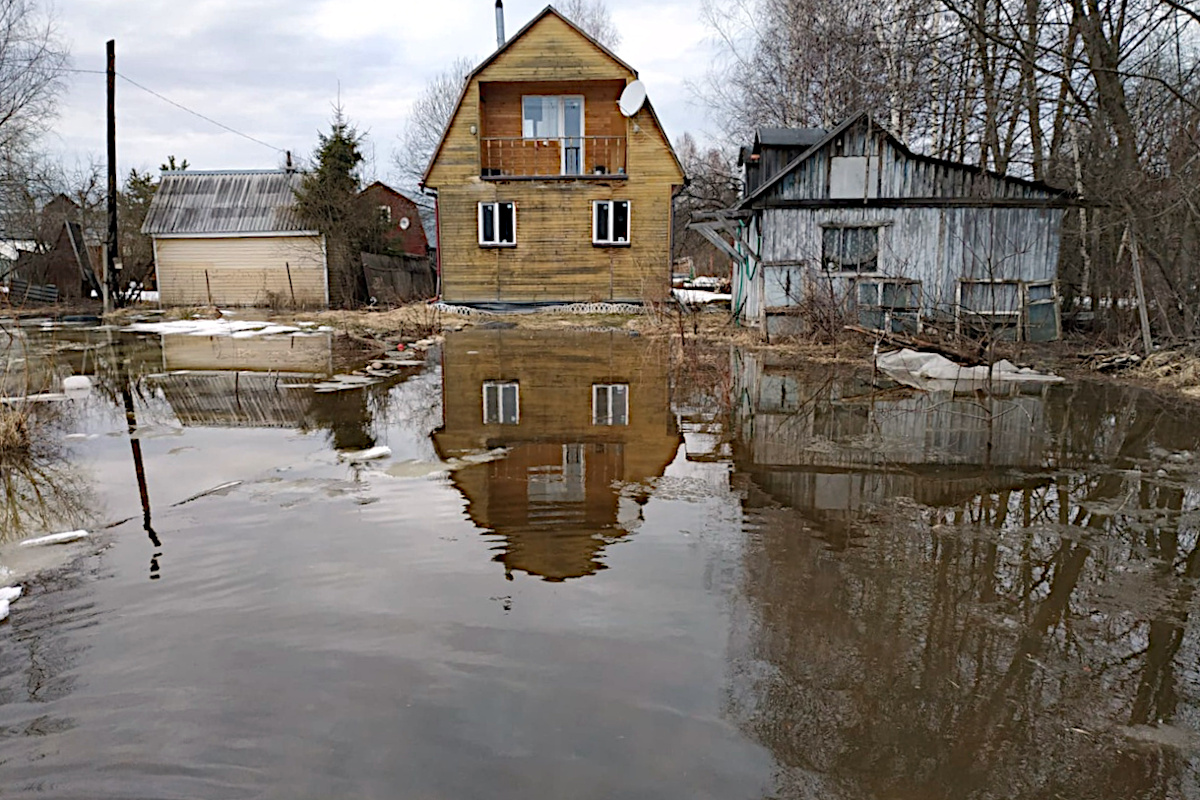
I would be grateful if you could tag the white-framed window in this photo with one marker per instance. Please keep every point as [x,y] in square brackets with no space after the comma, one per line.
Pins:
[850,248]
[610,404]
[385,214]
[498,224]
[610,222]
[501,403]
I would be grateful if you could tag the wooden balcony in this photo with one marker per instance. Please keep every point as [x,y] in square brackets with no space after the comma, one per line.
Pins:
[574,158]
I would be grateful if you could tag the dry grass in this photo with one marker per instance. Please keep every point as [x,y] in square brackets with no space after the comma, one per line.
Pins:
[1177,369]
[16,441]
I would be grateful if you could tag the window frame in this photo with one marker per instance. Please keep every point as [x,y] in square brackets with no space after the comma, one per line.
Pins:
[560,125]
[495,214]
[839,268]
[611,241]
[607,390]
[500,386]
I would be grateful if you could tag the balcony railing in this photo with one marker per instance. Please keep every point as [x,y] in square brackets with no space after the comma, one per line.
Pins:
[570,157]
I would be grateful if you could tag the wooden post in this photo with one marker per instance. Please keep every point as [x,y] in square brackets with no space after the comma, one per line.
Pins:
[111,282]
[291,288]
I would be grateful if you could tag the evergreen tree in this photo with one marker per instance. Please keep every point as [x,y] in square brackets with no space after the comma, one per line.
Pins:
[328,200]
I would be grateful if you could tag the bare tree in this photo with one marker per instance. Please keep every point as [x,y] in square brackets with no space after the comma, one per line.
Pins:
[593,18]
[32,60]
[712,185]
[427,121]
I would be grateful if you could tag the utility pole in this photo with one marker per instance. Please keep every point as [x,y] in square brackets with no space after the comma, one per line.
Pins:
[111,284]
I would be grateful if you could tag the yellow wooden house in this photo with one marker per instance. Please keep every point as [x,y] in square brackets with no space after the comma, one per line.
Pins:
[546,191]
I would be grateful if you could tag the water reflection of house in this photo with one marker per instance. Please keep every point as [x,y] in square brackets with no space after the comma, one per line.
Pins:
[261,382]
[220,381]
[579,412]
[831,446]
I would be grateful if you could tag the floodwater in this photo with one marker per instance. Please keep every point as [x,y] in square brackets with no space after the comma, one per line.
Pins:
[590,568]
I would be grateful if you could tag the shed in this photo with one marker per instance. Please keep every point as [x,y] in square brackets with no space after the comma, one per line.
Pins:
[858,225]
[64,270]
[234,238]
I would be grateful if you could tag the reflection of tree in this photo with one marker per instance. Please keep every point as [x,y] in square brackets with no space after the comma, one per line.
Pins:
[995,646]
[40,490]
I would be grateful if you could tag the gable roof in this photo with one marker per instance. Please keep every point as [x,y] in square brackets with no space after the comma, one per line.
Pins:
[790,137]
[383,187]
[231,202]
[487,62]
[845,124]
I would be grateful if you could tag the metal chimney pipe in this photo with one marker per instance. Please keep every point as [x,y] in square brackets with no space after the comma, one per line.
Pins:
[499,23]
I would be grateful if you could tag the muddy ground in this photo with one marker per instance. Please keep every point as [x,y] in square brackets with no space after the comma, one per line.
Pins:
[1173,369]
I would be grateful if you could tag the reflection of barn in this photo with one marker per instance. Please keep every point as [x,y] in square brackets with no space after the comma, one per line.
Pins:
[832,447]
[261,382]
[234,400]
[579,413]
[311,353]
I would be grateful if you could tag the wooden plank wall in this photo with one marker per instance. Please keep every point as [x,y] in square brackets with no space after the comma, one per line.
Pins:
[936,246]
[500,105]
[554,259]
[241,271]
[899,176]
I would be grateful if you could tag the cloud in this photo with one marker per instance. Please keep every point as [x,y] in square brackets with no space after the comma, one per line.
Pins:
[273,69]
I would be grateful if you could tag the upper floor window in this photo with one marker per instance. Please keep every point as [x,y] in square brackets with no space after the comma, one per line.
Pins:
[556,117]
[850,249]
[385,214]
[497,224]
[610,404]
[610,222]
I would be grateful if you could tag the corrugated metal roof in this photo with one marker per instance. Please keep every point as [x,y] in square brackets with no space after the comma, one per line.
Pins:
[231,202]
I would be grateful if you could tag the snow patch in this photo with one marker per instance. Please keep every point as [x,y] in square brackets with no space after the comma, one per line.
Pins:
[238,329]
[56,538]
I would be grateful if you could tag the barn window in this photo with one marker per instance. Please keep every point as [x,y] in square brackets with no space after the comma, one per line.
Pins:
[497,224]
[610,404]
[501,403]
[385,214]
[610,222]
[850,249]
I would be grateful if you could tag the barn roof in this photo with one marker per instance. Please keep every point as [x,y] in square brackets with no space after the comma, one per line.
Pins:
[791,137]
[225,202]
[828,136]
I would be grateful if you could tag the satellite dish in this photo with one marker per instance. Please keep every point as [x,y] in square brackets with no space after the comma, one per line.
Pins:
[632,98]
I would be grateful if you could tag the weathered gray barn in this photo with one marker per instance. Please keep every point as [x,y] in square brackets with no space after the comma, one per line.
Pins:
[234,238]
[857,223]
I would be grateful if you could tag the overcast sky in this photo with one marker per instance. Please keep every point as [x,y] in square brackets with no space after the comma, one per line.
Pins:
[271,69]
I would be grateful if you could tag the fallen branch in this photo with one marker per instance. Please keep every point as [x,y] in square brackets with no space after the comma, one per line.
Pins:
[913,343]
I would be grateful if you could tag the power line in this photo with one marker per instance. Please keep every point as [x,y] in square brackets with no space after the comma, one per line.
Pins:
[180,106]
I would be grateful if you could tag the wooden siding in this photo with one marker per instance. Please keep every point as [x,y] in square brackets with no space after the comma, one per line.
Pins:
[897,175]
[554,259]
[936,246]
[241,271]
